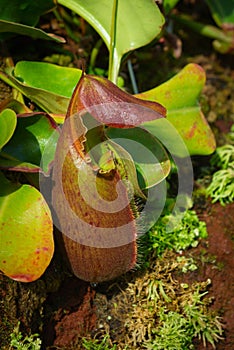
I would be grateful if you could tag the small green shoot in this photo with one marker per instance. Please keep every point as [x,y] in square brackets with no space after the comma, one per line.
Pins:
[31,342]
[177,330]
[186,264]
[203,324]
[94,344]
[186,234]
[172,332]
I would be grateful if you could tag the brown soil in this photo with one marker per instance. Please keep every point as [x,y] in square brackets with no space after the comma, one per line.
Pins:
[219,247]
[74,304]
[72,313]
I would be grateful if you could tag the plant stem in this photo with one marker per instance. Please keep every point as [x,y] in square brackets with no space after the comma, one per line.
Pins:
[204,29]
[132,77]
[113,57]
[94,53]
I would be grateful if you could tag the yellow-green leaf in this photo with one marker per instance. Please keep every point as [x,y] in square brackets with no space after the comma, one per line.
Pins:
[26,232]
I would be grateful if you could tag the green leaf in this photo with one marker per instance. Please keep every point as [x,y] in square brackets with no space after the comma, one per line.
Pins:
[223,37]
[48,77]
[6,162]
[22,29]
[48,85]
[222,11]
[150,157]
[8,122]
[16,106]
[180,97]
[24,11]
[34,133]
[138,22]
[26,232]
[47,100]
[168,5]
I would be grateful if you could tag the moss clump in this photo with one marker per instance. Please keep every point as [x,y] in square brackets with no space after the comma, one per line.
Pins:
[29,342]
[157,312]
[187,233]
[221,187]
[95,344]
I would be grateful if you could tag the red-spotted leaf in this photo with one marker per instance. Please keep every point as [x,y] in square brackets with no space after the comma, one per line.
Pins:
[180,96]
[26,232]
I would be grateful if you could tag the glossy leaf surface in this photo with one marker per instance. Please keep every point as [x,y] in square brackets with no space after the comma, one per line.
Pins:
[48,85]
[22,29]
[26,232]
[138,22]
[49,77]
[34,132]
[180,97]
[110,105]
[24,11]
[149,156]
[222,12]
[8,122]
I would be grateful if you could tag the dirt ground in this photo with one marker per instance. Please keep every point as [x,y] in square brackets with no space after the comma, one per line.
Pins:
[74,310]
[220,246]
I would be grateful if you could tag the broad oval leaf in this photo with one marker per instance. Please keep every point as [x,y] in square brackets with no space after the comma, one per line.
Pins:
[181,91]
[52,85]
[26,232]
[24,11]
[180,96]
[138,22]
[34,132]
[47,76]
[8,122]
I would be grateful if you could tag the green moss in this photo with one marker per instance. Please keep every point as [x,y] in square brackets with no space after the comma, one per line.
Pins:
[94,344]
[31,342]
[154,311]
[187,233]
[221,188]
